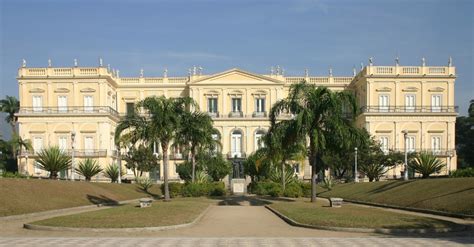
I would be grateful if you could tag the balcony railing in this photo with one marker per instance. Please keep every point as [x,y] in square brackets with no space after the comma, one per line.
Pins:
[236,114]
[238,155]
[69,110]
[257,114]
[409,109]
[437,152]
[175,156]
[213,114]
[77,153]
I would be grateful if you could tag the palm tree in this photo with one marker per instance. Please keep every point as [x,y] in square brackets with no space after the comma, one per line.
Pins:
[18,144]
[322,117]
[426,164]
[53,160]
[159,125]
[112,171]
[88,168]
[11,106]
[195,133]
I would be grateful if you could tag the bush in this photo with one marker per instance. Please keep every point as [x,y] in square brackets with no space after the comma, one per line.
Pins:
[328,183]
[145,184]
[13,175]
[306,187]
[217,189]
[195,189]
[466,172]
[112,172]
[176,189]
[267,188]
[426,164]
[88,168]
[293,190]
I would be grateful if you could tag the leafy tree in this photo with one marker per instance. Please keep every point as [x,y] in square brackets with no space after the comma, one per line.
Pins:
[195,133]
[140,159]
[18,144]
[53,160]
[185,170]
[465,138]
[88,168]
[256,166]
[160,125]
[323,117]
[112,172]
[216,166]
[426,164]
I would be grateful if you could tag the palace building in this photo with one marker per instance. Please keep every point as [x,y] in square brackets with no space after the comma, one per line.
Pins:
[408,107]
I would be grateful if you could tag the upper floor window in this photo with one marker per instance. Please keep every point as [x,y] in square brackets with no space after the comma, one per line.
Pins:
[212,105]
[236,105]
[436,103]
[88,103]
[410,102]
[383,102]
[260,104]
[37,103]
[130,109]
[62,103]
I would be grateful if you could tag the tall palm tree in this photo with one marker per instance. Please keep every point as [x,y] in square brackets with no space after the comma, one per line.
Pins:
[159,125]
[195,133]
[11,106]
[320,116]
[18,144]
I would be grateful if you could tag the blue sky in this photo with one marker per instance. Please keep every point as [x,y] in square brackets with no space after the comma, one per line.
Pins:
[251,35]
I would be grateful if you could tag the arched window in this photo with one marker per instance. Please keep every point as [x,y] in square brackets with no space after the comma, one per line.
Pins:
[258,139]
[216,137]
[236,144]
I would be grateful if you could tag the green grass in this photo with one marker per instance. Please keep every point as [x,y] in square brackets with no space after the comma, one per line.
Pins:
[352,216]
[21,196]
[453,195]
[178,211]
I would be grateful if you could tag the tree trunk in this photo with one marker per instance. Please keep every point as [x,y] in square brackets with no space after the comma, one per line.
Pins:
[283,176]
[193,163]
[164,146]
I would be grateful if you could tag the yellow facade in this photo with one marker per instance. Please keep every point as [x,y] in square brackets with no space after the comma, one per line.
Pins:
[90,101]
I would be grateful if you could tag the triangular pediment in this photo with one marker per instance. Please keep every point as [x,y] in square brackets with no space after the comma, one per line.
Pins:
[236,76]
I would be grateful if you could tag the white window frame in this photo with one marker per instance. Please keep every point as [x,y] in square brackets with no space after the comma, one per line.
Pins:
[436,142]
[384,102]
[436,102]
[258,136]
[88,103]
[37,103]
[62,103]
[62,143]
[37,147]
[236,143]
[260,104]
[89,150]
[410,144]
[410,102]
[212,107]
[236,107]
[384,144]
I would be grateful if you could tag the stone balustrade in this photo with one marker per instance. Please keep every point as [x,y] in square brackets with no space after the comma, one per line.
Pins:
[408,71]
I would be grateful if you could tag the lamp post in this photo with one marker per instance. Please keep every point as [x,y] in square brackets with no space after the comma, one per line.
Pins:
[356,177]
[119,164]
[73,137]
[405,173]
[449,163]
[26,164]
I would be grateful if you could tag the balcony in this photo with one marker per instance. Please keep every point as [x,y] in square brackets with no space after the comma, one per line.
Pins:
[437,152]
[176,156]
[236,155]
[71,110]
[236,114]
[213,114]
[77,153]
[259,114]
[409,109]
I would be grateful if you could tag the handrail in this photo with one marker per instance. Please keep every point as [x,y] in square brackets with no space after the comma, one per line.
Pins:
[409,109]
[68,110]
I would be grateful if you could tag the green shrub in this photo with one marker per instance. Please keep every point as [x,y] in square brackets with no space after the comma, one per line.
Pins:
[217,189]
[267,188]
[293,190]
[328,183]
[88,168]
[275,190]
[145,184]
[306,187]
[195,189]
[465,172]
[175,188]
[13,175]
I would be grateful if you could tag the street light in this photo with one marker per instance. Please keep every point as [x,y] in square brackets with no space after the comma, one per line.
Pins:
[26,165]
[449,162]
[73,137]
[405,173]
[119,164]
[356,177]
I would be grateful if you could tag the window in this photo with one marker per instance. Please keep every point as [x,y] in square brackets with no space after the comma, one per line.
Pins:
[296,168]
[216,138]
[436,144]
[88,145]
[37,144]
[236,104]
[236,144]
[260,104]
[62,103]
[88,103]
[410,103]
[383,103]
[212,105]
[384,144]
[410,144]
[130,109]
[62,143]
[37,103]
[435,103]
[258,140]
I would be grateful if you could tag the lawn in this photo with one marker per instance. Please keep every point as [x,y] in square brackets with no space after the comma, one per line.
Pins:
[352,216]
[20,196]
[453,195]
[178,211]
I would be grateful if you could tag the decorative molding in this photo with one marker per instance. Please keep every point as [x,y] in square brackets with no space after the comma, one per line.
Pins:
[37,132]
[436,89]
[410,89]
[87,90]
[383,131]
[88,131]
[383,89]
[36,90]
[435,131]
[62,90]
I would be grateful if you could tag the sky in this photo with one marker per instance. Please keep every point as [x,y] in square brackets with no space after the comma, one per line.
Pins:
[248,34]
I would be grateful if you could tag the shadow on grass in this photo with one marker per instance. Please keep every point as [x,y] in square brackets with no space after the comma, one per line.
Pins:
[249,201]
[389,186]
[152,195]
[101,200]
